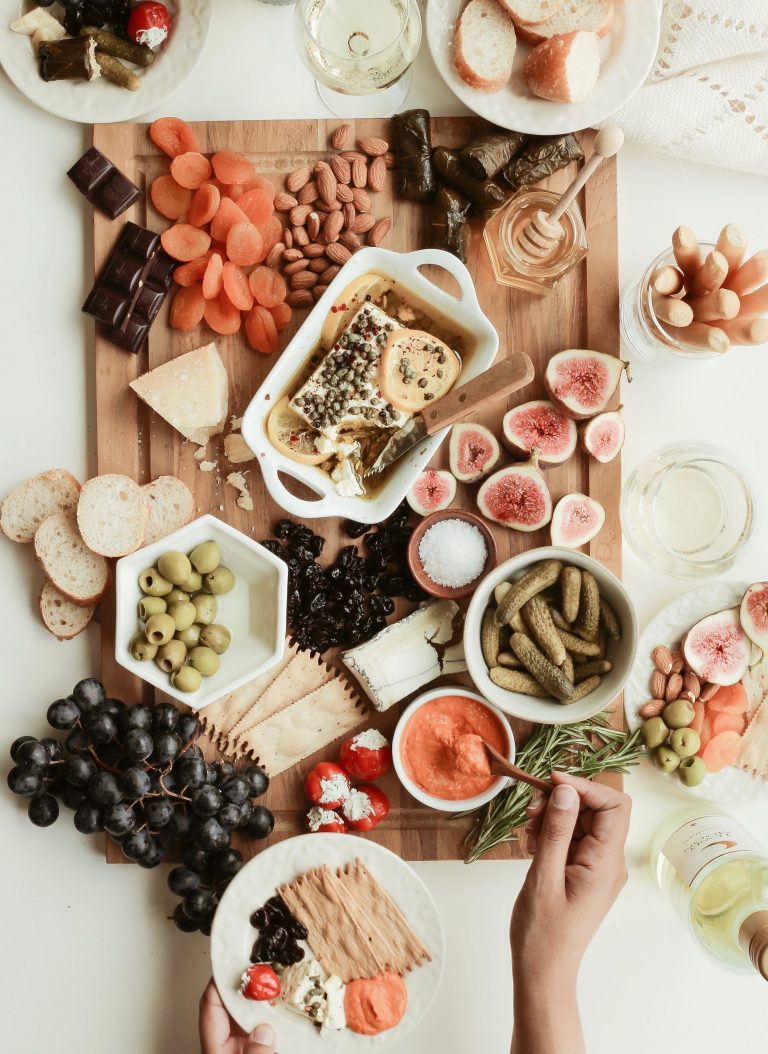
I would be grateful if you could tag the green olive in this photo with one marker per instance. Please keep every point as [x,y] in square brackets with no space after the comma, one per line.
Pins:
[205,557]
[219,581]
[189,637]
[141,649]
[193,583]
[692,771]
[175,566]
[206,608]
[666,758]
[153,584]
[149,606]
[654,732]
[160,629]
[183,614]
[187,679]
[679,714]
[216,637]
[171,656]
[175,595]
[685,742]
[205,661]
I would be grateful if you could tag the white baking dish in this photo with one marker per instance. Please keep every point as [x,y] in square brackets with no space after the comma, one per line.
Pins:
[462,311]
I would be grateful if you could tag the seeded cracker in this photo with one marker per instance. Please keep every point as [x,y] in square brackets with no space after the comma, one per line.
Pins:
[754,746]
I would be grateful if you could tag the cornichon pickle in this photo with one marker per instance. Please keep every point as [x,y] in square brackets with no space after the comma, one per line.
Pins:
[568,668]
[539,621]
[589,608]
[589,669]
[584,689]
[609,620]
[570,586]
[577,646]
[539,666]
[110,44]
[558,619]
[501,590]
[115,71]
[534,581]
[490,638]
[506,658]
[517,681]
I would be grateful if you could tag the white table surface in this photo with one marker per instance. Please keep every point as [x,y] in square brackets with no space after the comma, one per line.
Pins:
[89,962]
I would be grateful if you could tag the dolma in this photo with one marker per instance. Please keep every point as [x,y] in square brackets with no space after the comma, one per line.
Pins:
[485,156]
[540,159]
[449,228]
[69,59]
[486,195]
[413,143]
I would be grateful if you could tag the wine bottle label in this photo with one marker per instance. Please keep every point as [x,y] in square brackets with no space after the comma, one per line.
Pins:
[696,844]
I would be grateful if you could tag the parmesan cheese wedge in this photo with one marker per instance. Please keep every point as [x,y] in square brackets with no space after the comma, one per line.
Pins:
[190,392]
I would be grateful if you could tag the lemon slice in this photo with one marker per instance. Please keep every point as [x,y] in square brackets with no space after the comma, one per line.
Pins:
[416,369]
[348,303]
[292,436]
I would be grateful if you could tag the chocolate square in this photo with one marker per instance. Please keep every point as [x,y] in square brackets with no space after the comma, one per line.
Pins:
[138,241]
[161,269]
[148,302]
[116,194]
[131,336]
[90,170]
[122,272]
[108,306]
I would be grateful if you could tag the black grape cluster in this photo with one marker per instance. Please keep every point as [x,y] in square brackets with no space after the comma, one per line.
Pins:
[137,773]
[79,13]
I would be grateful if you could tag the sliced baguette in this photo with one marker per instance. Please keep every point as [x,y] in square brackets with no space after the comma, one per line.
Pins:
[530,12]
[171,505]
[564,68]
[591,16]
[60,616]
[112,514]
[484,45]
[35,500]
[81,575]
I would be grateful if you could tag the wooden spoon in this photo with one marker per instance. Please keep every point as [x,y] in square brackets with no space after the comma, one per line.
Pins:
[501,767]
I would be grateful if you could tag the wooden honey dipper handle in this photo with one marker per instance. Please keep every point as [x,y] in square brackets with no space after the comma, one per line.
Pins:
[609,141]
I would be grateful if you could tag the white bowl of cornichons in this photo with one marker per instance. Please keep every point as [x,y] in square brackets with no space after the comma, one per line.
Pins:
[383,343]
[550,636]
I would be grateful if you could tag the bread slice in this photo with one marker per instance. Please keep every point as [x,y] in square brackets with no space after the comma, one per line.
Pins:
[484,45]
[35,500]
[564,68]
[591,16]
[60,616]
[171,505]
[530,12]
[112,514]
[81,575]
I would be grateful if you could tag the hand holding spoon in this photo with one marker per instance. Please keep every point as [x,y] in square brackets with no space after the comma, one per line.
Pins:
[501,767]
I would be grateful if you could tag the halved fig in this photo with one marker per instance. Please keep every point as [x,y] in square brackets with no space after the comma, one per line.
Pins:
[582,382]
[576,520]
[517,496]
[717,649]
[473,451]
[754,614]
[543,425]
[434,490]
[603,436]
[755,655]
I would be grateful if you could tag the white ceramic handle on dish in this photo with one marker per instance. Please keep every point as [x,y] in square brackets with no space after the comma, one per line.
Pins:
[449,263]
[302,508]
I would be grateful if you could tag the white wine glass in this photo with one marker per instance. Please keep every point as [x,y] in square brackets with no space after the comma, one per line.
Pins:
[359,52]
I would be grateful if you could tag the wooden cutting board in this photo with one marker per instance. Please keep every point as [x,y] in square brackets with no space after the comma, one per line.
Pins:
[582,313]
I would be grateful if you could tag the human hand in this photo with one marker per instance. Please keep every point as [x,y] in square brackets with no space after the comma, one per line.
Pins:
[577,836]
[220,1035]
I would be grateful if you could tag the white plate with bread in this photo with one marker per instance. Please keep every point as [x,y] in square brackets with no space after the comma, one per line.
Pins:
[544,67]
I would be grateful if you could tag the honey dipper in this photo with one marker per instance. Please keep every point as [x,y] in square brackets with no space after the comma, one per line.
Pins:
[540,235]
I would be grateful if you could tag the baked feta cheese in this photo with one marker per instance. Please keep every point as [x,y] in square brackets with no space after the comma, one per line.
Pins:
[309,991]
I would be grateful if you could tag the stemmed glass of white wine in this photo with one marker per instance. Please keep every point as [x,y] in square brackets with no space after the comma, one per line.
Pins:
[359,52]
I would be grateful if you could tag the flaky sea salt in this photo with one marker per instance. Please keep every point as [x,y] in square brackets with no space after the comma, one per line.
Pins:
[453,553]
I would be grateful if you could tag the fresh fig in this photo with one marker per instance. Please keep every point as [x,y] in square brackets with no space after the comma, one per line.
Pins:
[755,655]
[754,614]
[717,649]
[433,490]
[473,451]
[542,425]
[517,496]
[576,520]
[582,382]
[603,436]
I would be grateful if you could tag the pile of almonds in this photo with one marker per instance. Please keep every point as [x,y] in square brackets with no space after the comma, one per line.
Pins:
[329,214]
[672,680]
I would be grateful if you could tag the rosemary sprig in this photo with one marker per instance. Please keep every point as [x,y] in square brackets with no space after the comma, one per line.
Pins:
[587,748]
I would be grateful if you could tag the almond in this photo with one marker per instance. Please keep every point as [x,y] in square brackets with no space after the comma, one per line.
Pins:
[299,298]
[708,692]
[363,222]
[674,687]
[326,185]
[352,156]
[328,275]
[296,180]
[293,254]
[275,254]
[303,280]
[379,231]
[349,214]
[318,291]
[313,225]
[390,160]
[662,659]
[350,239]
[340,137]
[658,685]
[284,202]
[341,168]
[372,146]
[300,236]
[677,661]
[361,199]
[652,708]
[344,194]
[318,265]
[359,173]
[309,193]
[313,250]
[295,266]
[691,684]
[288,238]
[377,174]
[298,215]
[332,226]
[337,253]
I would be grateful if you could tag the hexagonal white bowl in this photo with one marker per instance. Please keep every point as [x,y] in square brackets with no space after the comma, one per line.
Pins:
[254,611]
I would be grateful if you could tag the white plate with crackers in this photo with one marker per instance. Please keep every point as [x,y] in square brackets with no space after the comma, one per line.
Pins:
[732,784]
[233,936]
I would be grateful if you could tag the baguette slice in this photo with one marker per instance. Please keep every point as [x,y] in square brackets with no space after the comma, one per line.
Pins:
[79,574]
[484,45]
[35,500]
[112,514]
[530,12]
[171,505]
[591,16]
[60,616]
[564,68]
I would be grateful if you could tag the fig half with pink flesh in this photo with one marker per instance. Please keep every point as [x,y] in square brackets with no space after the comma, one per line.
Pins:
[754,614]
[473,451]
[433,490]
[717,649]
[582,382]
[540,424]
[576,520]
[603,436]
[517,496]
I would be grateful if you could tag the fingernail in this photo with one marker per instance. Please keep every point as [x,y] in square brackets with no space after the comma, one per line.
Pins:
[263,1034]
[564,797]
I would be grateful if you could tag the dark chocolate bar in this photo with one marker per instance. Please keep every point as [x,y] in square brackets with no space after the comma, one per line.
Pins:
[102,184]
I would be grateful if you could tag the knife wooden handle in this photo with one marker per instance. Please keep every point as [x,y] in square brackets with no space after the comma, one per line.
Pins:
[499,381]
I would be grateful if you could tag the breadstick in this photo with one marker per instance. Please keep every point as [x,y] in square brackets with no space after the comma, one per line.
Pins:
[701,337]
[754,304]
[751,275]
[675,312]
[745,330]
[667,280]
[723,303]
[732,243]
[685,246]
[710,276]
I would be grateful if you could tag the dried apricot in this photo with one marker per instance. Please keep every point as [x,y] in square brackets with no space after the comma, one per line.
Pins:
[191,169]
[173,136]
[205,204]
[189,273]
[281,313]
[257,205]
[221,316]
[227,215]
[187,308]
[730,699]
[231,167]
[236,287]
[184,242]
[261,331]
[213,277]
[244,244]
[170,199]
[721,750]
[268,286]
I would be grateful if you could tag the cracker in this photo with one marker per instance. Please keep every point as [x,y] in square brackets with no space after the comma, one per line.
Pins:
[754,746]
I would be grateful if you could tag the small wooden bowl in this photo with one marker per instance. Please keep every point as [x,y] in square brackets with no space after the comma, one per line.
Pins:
[414,561]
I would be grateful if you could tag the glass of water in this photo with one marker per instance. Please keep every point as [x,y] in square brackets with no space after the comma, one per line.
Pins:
[359,52]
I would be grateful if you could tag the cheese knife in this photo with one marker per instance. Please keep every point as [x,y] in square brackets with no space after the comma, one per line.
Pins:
[514,372]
